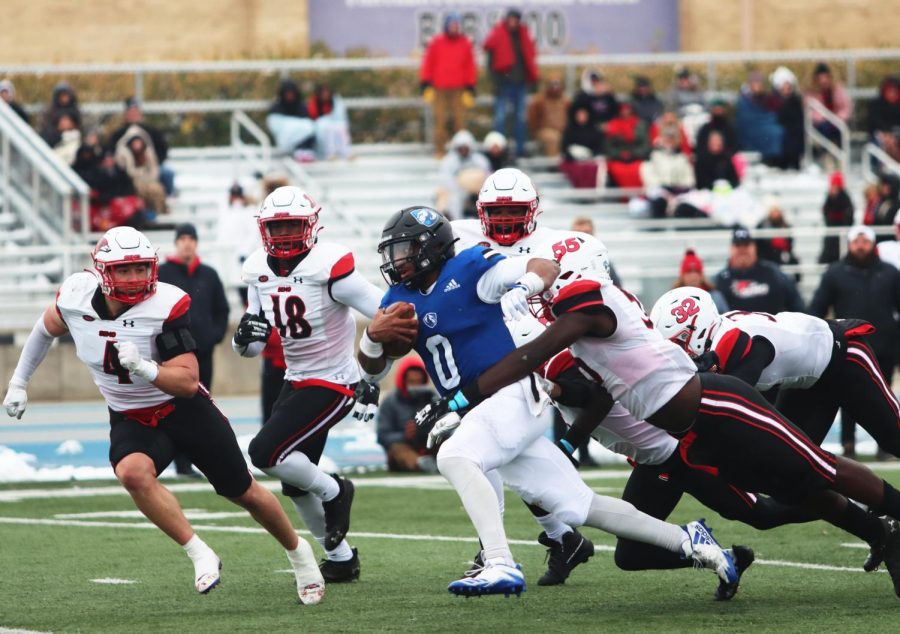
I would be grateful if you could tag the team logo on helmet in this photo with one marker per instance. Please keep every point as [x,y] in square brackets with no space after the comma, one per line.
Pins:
[425,217]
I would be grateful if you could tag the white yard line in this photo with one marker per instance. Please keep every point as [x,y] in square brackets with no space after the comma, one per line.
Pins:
[6,630]
[29,521]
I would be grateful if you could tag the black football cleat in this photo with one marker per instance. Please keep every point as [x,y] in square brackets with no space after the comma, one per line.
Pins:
[340,571]
[891,551]
[876,553]
[476,566]
[743,558]
[562,557]
[337,514]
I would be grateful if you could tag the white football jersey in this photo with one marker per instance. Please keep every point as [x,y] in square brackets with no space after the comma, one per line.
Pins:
[803,345]
[637,365]
[889,251]
[317,332]
[94,338]
[469,233]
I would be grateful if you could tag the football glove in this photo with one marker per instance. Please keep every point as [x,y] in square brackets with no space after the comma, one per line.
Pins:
[366,404]
[130,359]
[252,328]
[514,303]
[707,362]
[442,430]
[16,399]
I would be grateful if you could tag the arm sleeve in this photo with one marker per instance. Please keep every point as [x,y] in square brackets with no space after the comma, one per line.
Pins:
[497,279]
[357,292]
[744,357]
[35,350]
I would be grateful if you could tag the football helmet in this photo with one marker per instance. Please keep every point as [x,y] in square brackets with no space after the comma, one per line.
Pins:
[508,187]
[120,246]
[578,257]
[417,235]
[688,317]
[288,204]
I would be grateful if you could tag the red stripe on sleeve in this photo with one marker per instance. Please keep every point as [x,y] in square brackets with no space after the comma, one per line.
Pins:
[558,364]
[726,346]
[576,288]
[343,267]
[180,308]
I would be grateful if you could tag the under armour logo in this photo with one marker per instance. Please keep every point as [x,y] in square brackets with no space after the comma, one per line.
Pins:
[298,280]
[524,249]
[128,322]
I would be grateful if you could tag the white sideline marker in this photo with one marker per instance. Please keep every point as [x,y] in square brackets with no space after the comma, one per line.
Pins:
[31,521]
[112,581]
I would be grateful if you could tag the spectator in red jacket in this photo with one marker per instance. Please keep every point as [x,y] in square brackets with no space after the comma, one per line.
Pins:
[512,59]
[447,78]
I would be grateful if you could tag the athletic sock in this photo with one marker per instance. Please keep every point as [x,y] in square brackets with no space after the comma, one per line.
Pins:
[623,520]
[480,501]
[890,504]
[297,469]
[554,528]
[857,521]
[196,548]
[313,515]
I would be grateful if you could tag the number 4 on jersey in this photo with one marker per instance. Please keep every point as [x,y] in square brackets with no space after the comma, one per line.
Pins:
[111,364]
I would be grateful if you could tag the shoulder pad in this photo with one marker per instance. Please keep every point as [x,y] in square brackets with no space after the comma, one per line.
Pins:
[75,287]
[254,266]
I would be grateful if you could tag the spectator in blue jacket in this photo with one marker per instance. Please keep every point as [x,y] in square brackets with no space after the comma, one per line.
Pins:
[757,120]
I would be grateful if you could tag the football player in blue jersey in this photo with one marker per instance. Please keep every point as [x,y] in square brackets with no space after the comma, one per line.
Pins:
[461,302]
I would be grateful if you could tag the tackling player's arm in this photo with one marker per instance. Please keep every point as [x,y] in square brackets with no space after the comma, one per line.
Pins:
[743,356]
[48,326]
[348,286]
[512,281]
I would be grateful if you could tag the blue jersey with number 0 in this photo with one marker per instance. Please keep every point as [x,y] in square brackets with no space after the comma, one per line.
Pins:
[460,336]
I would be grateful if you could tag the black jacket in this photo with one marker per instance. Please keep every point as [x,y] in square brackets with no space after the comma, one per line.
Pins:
[858,291]
[761,288]
[712,167]
[209,308]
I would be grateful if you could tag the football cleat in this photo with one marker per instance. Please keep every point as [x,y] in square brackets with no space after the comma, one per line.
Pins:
[876,553]
[337,514]
[495,578]
[707,553]
[743,558]
[340,571]
[310,583]
[207,573]
[891,551]
[476,565]
[562,557]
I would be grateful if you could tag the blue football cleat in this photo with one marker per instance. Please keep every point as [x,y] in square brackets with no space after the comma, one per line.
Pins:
[707,553]
[492,579]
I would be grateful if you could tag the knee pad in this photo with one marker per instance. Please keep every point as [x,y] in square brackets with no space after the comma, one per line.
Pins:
[258,454]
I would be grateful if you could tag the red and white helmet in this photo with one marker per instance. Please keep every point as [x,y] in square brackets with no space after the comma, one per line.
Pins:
[292,204]
[688,317]
[508,187]
[579,257]
[120,246]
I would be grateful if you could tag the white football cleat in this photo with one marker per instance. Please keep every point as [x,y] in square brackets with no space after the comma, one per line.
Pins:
[310,582]
[494,578]
[706,553]
[207,573]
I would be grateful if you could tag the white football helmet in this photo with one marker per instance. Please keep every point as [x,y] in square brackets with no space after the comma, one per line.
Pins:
[293,206]
[688,317]
[124,246]
[508,187]
[579,256]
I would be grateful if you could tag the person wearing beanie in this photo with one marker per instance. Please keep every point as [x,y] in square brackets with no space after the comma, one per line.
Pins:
[790,116]
[447,78]
[691,273]
[862,286]
[208,311]
[8,94]
[837,212]
[395,425]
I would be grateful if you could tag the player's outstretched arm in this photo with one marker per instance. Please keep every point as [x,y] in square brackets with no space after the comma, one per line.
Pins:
[49,326]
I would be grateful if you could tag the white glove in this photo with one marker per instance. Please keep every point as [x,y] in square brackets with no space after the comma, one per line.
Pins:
[16,399]
[442,430]
[130,359]
[514,303]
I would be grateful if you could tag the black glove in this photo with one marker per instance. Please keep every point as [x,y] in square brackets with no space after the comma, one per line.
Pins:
[566,447]
[252,328]
[707,362]
[456,401]
[366,404]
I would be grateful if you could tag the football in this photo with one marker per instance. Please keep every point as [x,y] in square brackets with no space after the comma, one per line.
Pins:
[397,349]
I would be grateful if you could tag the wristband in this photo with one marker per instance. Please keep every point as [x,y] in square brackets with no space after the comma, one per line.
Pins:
[458,401]
[148,370]
[371,349]
[531,282]
[567,446]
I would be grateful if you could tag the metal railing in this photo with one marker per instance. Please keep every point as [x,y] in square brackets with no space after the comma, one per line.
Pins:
[873,155]
[36,185]
[841,153]
[258,156]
